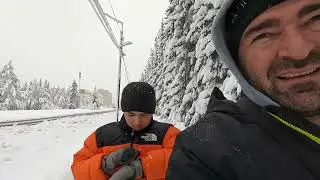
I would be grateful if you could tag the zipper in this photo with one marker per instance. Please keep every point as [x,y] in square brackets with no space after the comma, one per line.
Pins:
[132,138]
[295,128]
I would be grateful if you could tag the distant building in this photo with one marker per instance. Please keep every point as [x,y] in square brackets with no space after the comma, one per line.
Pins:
[104,97]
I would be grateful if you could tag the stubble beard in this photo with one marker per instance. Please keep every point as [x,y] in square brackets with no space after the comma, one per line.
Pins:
[303,97]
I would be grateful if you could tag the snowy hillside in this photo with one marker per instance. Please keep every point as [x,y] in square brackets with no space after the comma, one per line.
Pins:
[184,66]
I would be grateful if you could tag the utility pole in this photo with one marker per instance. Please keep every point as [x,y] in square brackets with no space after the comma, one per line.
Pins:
[102,17]
[119,71]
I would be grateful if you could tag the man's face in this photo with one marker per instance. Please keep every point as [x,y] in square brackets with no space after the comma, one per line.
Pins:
[137,120]
[280,54]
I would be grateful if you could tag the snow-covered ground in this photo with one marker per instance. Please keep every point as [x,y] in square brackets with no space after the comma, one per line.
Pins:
[45,151]
[31,114]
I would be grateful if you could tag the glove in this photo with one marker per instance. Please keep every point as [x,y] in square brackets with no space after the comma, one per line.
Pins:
[129,172]
[115,159]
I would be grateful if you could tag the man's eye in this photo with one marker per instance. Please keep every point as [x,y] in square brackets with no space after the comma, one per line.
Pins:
[314,18]
[263,36]
[314,23]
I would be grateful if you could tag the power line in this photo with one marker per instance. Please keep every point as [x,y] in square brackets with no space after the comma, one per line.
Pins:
[106,20]
[111,35]
[99,12]
[114,15]
[108,25]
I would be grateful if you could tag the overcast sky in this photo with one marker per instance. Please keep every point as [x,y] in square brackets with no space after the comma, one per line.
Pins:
[55,39]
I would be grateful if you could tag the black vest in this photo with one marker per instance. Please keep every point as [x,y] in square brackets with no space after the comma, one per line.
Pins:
[117,133]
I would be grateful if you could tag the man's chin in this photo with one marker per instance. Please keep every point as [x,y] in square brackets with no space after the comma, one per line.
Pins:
[306,103]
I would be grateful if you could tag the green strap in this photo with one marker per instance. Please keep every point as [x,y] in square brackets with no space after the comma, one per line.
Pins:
[301,131]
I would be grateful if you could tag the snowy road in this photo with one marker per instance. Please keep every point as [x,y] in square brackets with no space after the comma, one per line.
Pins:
[19,115]
[44,151]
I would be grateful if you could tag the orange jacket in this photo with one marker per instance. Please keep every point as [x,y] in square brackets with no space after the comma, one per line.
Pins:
[154,143]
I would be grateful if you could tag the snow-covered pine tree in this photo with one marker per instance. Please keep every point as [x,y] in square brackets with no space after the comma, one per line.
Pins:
[35,88]
[154,71]
[10,98]
[188,66]
[24,95]
[27,98]
[171,50]
[33,95]
[54,92]
[63,98]
[74,97]
[206,69]
[45,96]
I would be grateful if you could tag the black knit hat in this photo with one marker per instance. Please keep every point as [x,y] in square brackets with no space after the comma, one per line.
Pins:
[239,16]
[138,96]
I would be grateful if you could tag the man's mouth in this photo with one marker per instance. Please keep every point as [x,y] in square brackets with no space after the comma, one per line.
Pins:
[298,74]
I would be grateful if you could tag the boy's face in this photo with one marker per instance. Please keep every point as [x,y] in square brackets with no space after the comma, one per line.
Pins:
[137,120]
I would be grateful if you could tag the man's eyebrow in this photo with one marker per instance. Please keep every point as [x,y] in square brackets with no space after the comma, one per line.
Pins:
[268,23]
[308,9]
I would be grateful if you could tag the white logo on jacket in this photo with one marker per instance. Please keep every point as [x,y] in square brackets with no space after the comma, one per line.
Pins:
[150,137]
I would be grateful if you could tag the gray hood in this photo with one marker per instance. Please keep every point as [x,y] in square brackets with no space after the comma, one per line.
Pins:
[219,40]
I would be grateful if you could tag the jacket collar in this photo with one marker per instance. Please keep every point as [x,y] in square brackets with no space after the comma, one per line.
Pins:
[260,116]
[295,119]
[248,112]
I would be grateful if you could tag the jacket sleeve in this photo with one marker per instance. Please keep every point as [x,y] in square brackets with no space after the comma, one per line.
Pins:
[87,162]
[184,163]
[155,163]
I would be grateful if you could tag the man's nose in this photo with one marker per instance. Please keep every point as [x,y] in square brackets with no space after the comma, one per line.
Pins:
[294,44]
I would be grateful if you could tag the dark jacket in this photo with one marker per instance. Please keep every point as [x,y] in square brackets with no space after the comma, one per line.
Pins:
[241,141]
[155,143]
